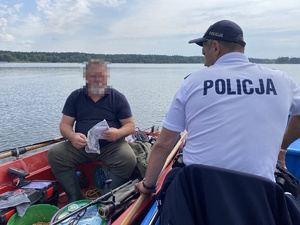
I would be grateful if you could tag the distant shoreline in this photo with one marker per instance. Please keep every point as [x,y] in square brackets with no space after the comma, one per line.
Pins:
[78,57]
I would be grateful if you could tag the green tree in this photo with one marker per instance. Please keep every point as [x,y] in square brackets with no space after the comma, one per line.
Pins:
[282,60]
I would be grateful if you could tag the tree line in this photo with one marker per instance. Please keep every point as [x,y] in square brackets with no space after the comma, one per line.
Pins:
[78,57]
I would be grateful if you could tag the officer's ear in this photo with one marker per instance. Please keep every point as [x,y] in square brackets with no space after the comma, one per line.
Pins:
[216,46]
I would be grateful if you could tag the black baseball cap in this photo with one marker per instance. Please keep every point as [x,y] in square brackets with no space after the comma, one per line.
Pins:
[224,30]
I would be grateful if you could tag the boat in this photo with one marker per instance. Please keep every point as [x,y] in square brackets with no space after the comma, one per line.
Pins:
[33,174]
[137,209]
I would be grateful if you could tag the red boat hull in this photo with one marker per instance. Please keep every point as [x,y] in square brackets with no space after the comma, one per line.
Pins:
[38,169]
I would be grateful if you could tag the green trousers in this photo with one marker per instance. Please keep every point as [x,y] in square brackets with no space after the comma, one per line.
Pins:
[118,156]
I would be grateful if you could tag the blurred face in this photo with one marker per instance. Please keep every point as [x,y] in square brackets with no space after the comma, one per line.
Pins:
[208,51]
[96,78]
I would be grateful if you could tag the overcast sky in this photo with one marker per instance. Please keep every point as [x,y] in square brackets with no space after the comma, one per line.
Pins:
[164,27]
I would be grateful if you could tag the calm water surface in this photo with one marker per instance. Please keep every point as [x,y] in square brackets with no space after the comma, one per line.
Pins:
[32,95]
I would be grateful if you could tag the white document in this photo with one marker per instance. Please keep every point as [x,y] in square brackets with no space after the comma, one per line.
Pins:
[93,136]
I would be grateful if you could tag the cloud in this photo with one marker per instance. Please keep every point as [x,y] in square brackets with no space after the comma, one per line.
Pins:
[60,16]
[26,43]
[69,16]
[3,35]
[3,23]
[18,7]
[110,3]
[29,26]
[163,24]
[7,37]
[147,26]
[3,9]
[171,17]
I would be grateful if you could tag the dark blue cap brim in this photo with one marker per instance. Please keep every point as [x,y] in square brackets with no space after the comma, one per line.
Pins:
[198,41]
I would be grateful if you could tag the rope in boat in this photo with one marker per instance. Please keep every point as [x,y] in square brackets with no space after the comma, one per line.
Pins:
[93,193]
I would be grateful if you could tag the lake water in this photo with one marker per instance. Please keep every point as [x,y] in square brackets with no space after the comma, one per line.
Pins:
[32,95]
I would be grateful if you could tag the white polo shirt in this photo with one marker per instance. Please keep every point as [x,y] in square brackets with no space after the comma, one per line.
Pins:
[235,113]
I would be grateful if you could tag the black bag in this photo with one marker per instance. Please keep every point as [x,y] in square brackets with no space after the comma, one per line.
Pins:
[286,180]
[141,136]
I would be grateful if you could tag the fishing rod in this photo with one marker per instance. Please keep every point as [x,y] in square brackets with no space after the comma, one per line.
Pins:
[23,149]
[98,200]
[109,208]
